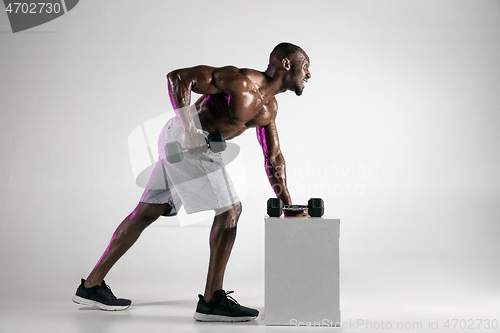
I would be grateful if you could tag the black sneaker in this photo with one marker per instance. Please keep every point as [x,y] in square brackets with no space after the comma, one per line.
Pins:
[223,308]
[100,296]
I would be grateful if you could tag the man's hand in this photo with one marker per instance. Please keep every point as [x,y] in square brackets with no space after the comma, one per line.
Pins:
[195,143]
[295,213]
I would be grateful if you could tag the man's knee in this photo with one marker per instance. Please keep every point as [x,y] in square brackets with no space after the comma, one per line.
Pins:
[148,213]
[233,211]
[229,215]
[237,207]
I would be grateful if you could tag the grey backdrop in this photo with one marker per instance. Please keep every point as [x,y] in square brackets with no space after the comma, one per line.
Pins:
[398,130]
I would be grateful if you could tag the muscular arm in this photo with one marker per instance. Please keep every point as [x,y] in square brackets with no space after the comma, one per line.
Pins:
[180,84]
[274,161]
[202,80]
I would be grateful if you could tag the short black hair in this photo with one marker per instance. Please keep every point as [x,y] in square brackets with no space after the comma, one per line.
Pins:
[284,50]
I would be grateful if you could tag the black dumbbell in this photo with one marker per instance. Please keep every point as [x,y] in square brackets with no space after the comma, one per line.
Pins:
[315,207]
[215,141]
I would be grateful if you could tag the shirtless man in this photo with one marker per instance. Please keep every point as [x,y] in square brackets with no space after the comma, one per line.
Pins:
[233,100]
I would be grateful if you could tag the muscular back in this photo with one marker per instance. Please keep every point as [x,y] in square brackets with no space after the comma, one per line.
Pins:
[230,101]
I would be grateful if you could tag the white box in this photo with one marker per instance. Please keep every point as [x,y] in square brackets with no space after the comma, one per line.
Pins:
[302,271]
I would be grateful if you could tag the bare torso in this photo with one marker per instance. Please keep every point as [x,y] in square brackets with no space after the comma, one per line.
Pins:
[233,100]
[234,112]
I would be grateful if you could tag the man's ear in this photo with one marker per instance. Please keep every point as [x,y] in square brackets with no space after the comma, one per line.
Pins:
[286,63]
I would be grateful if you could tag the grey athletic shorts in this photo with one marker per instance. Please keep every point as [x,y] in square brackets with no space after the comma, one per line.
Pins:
[198,182]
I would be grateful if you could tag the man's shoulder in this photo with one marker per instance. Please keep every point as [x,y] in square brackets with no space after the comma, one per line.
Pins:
[252,74]
[246,74]
[237,79]
[233,71]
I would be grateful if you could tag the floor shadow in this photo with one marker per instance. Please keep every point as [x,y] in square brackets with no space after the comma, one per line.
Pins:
[173,302]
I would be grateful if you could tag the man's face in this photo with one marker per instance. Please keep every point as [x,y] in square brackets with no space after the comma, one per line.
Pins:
[301,73]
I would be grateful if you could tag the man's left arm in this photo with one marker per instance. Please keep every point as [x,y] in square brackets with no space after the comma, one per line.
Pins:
[275,166]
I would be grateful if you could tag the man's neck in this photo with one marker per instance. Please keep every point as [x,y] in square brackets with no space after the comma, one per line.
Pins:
[273,82]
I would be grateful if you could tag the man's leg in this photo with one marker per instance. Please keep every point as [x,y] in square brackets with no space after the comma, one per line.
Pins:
[216,305]
[124,237]
[222,238]
[94,291]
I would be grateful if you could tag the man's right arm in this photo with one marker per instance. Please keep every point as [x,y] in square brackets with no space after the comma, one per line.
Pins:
[180,84]
[198,79]
[203,80]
